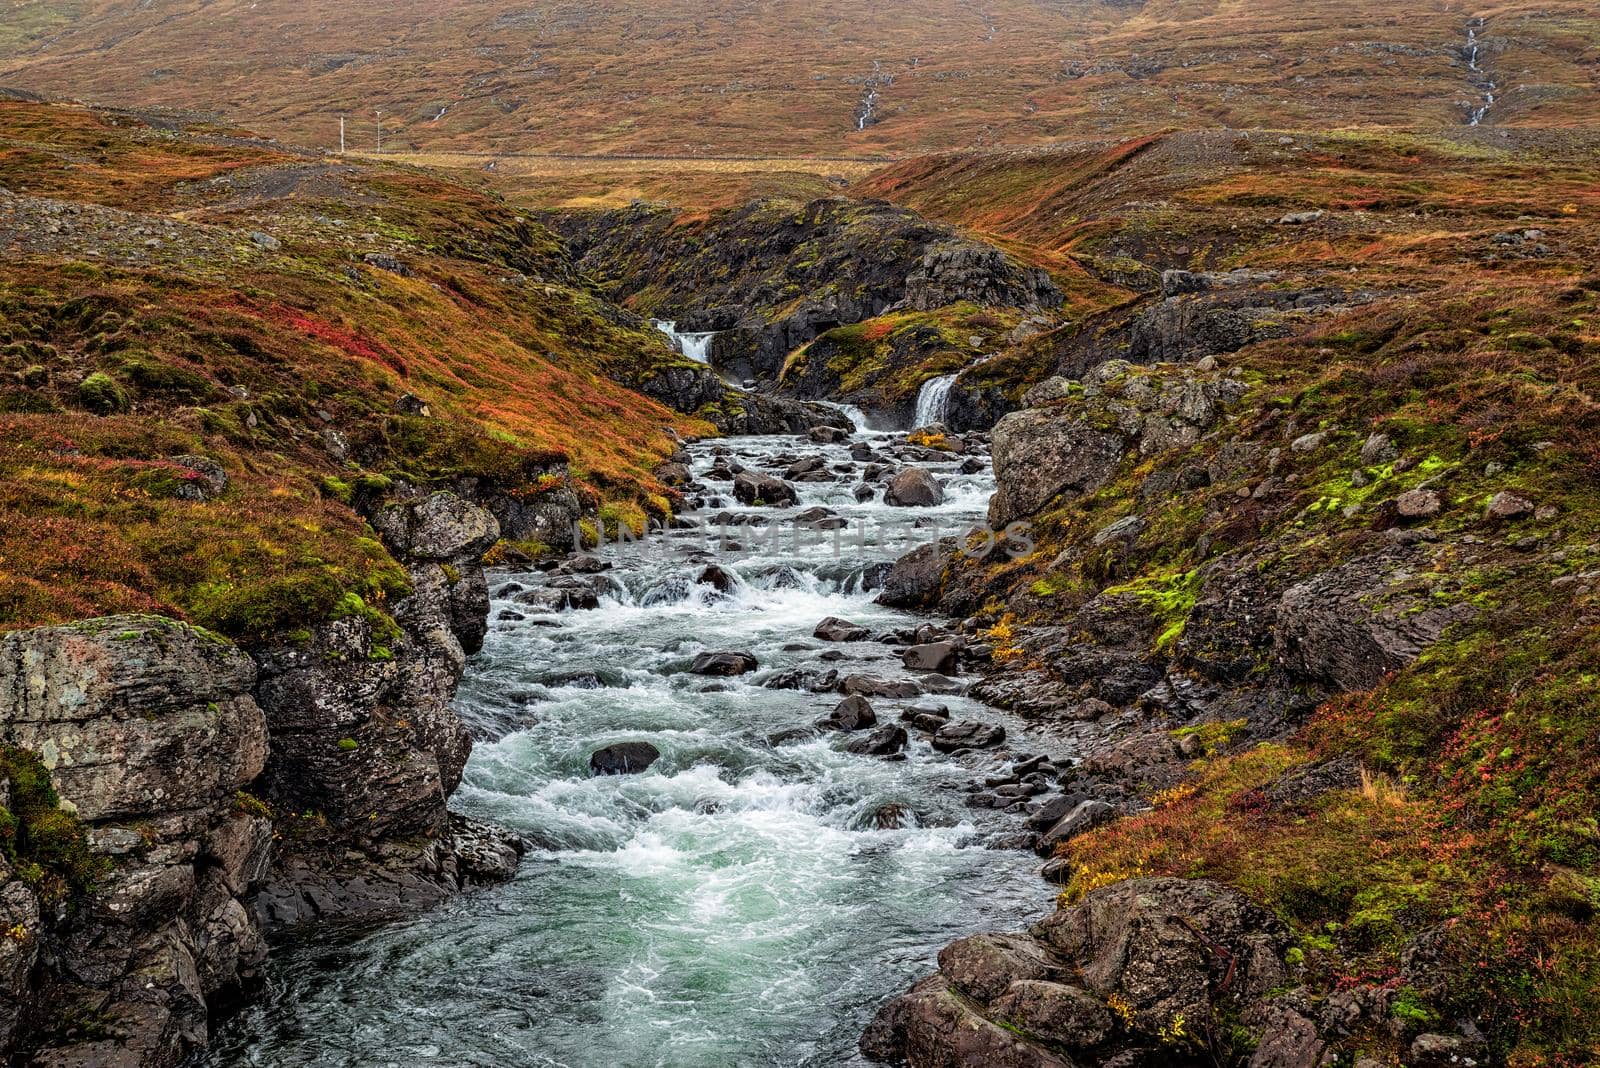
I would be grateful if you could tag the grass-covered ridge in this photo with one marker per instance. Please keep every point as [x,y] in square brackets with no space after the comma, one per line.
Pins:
[303,323]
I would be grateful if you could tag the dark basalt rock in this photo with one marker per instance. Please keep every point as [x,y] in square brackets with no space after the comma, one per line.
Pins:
[914,487]
[851,714]
[623,758]
[968,734]
[915,579]
[881,742]
[753,489]
[937,657]
[834,629]
[723,664]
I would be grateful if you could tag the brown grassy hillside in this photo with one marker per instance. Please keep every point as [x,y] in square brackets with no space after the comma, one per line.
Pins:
[691,77]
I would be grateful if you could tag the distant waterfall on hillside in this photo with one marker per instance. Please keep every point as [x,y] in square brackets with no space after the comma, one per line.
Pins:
[933,403]
[695,346]
[1480,79]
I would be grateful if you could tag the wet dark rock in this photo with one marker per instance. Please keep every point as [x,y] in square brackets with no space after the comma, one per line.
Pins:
[968,734]
[874,686]
[724,664]
[718,578]
[753,489]
[913,487]
[828,435]
[886,739]
[892,817]
[916,578]
[834,629]
[851,714]
[1084,817]
[937,657]
[820,518]
[801,679]
[623,758]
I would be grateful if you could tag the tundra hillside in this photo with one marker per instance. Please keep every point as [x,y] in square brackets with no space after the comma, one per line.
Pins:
[1315,591]
[697,78]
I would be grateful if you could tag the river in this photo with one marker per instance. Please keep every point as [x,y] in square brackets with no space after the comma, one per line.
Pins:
[736,904]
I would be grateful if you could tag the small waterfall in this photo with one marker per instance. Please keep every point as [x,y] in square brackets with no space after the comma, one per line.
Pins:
[1484,83]
[695,346]
[857,417]
[933,403]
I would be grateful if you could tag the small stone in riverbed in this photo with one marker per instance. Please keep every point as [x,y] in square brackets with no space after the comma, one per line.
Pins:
[623,758]
[834,629]
[725,664]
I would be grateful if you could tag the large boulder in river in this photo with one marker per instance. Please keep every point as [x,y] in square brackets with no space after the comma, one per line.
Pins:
[968,734]
[937,657]
[851,714]
[916,578]
[1039,453]
[623,758]
[756,489]
[725,665]
[913,487]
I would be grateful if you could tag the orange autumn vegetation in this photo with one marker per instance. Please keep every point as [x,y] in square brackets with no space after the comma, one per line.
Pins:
[282,357]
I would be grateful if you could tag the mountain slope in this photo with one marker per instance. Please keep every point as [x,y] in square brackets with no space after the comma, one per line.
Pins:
[687,77]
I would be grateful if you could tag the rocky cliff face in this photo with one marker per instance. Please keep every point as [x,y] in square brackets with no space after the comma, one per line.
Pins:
[149,730]
[218,791]
[774,274]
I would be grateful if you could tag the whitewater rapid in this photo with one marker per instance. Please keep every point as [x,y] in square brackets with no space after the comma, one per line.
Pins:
[736,904]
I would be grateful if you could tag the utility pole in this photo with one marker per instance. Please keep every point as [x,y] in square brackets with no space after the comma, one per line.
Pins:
[341,135]
[379,113]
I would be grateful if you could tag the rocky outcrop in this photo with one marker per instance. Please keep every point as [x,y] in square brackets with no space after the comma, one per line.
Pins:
[173,748]
[1075,437]
[740,272]
[363,734]
[1112,980]
[149,730]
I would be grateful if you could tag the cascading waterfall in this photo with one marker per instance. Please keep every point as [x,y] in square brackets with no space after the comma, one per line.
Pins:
[1484,83]
[696,346]
[744,901]
[933,402]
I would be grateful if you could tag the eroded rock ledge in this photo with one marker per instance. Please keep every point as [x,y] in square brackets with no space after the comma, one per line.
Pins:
[225,790]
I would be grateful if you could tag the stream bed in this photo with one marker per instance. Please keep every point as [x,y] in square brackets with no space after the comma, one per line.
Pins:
[738,903]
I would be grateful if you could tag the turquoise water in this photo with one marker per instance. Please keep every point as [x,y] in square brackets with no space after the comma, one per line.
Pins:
[734,905]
